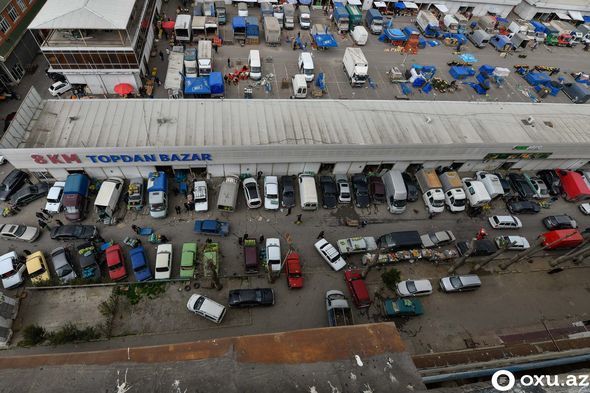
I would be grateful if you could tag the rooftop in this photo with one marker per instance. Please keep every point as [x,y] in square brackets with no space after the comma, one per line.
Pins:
[84,14]
[192,122]
[19,30]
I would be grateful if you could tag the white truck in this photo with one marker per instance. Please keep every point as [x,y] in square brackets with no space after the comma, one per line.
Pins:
[304,17]
[491,183]
[427,23]
[356,66]
[339,312]
[431,188]
[106,203]
[359,35]
[289,12]
[355,245]
[173,82]
[204,57]
[476,192]
[396,194]
[454,194]
[299,86]
[272,31]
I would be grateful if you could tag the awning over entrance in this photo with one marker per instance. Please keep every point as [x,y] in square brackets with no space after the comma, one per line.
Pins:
[576,15]
[380,4]
[442,8]
[411,5]
[562,15]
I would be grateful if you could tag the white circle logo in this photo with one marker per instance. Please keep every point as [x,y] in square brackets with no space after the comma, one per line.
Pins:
[505,385]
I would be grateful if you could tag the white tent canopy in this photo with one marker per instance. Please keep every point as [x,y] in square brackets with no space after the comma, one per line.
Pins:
[83,14]
[380,4]
[576,15]
[442,8]
[354,2]
[562,15]
[411,5]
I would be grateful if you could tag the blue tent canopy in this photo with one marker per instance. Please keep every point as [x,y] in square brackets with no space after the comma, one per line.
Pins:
[586,18]
[216,83]
[392,35]
[238,22]
[400,5]
[197,86]
[539,27]
[325,40]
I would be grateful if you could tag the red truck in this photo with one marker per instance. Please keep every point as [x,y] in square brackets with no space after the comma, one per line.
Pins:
[293,269]
[357,287]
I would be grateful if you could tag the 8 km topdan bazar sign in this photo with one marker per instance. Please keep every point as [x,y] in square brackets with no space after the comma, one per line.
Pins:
[160,158]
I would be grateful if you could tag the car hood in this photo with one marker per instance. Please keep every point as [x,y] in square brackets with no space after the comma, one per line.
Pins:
[53,207]
[30,234]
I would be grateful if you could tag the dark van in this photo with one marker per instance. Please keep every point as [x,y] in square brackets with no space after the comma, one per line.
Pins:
[250,256]
[11,183]
[403,240]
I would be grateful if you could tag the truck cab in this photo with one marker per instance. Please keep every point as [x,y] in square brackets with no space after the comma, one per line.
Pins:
[304,17]
[432,193]
[339,312]
[158,194]
[454,194]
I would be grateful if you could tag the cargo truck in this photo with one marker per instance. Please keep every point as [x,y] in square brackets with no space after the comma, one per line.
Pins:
[272,31]
[564,36]
[476,192]
[428,24]
[454,194]
[107,200]
[135,194]
[220,12]
[289,15]
[204,57]
[173,82]
[374,21]
[339,312]
[190,62]
[396,194]
[75,199]
[432,192]
[228,194]
[341,19]
[279,14]
[355,66]
[198,28]
[157,187]
[304,17]
[355,17]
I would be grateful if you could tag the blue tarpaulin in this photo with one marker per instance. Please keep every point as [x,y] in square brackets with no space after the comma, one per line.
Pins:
[320,81]
[461,39]
[325,40]
[392,35]
[586,18]
[460,72]
[305,2]
[252,29]
[537,78]
[539,27]
[487,69]
[478,89]
[238,22]
[468,58]
[406,89]
[197,86]
[216,84]
[400,5]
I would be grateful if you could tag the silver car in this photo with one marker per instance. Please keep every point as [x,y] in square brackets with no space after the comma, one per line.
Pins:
[437,239]
[460,283]
[60,259]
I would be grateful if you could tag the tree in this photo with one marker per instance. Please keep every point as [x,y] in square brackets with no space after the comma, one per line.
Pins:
[391,278]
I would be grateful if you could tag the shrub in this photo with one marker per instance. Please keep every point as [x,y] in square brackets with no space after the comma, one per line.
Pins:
[33,335]
[71,333]
[390,278]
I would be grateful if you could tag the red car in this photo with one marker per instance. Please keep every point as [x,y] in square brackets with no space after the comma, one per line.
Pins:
[116,263]
[293,268]
[357,287]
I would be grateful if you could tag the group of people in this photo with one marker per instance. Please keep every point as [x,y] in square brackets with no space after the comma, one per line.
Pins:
[43,217]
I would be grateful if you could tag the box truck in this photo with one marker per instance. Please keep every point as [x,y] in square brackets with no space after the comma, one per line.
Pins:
[454,194]
[396,194]
[432,192]
[356,66]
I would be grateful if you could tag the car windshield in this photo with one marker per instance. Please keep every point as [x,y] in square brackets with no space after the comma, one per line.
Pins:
[162,269]
[116,266]
[456,282]
[157,206]
[20,230]
[345,195]
[64,271]
[459,202]
[71,209]
[199,303]
[252,190]
[288,194]
[8,274]
[139,268]
[38,272]
[411,287]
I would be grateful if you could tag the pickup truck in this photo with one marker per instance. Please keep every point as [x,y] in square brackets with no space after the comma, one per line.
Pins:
[339,312]
[211,227]
[402,307]
[354,245]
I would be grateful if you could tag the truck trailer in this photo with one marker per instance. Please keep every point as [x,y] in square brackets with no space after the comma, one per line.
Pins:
[355,66]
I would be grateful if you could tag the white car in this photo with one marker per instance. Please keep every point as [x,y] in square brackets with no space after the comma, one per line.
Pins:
[344,195]
[200,196]
[505,222]
[330,254]
[19,232]
[12,270]
[163,262]
[59,88]
[251,193]
[206,308]
[271,192]
[414,288]
[513,242]
[273,254]
[54,197]
[585,208]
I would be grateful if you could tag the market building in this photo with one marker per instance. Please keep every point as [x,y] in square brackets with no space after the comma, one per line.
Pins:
[97,43]
[576,11]
[132,137]
[499,8]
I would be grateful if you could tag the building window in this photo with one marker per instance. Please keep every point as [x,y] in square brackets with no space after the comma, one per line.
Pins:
[21,4]
[44,176]
[17,72]
[12,13]
[4,25]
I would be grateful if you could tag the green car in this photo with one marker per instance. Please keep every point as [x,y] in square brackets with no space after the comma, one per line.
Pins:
[188,260]
[402,307]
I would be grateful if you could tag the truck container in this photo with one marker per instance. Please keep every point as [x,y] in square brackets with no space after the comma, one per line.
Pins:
[304,17]
[374,21]
[428,24]
[272,31]
[279,14]
[339,312]
[451,24]
[476,192]
[173,82]
[228,194]
[208,8]
[479,38]
[403,240]
[204,57]
[252,30]
[454,194]
[190,62]
[355,245]
[211,260]
[220,12]
[211,26]
[491,182]
[341,18]
[355,66]
[198,30]
[431,188]
[157,187]
[239,28]
[216,84]
[487,23]
[182,27]
[289,15]
[75,199]
[396,194]
[106,203]
[463,22]
[355,16]
[359,35]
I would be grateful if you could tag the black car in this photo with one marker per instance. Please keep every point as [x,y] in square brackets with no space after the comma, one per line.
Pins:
[551,180]
[505,184]
[411,188]
[88,261]
[519,183]
[376,189]
[481,248]
[74,232]
[562,221]
[360,189]
[29,193]
[523,207]
[11,183]
[329,191]
[251,297]
[288,191]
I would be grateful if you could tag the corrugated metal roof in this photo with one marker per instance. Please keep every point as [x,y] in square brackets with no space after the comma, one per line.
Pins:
[190,122]
[83,14]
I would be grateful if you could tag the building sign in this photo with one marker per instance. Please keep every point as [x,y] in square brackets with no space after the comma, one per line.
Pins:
[527,147]
[517,156]
[162,158]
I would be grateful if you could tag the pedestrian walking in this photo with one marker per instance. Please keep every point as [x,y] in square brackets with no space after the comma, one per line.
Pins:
[163,238]
[299,220]
[228,63]
[135,228]
[240,241]
[187,207]
[40,216]
[43,224]
[177,208]
[215,47]
[59,223]
[288,212]
[261,240]
[321,235]
[167,51]
[245,236]
[161,55]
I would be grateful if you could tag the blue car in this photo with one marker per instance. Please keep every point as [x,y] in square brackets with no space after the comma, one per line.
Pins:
[140,264]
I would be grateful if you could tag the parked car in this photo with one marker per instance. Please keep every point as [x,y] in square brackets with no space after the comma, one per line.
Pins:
[293,270]
[251,193]
[12,270]
[409,288]
[361,190]
[505,184]
[460,283]
[271,193]
[211,227]
[188,259]
[87,258]
[74,232]
[512,242]
[288,191]
[551,180]
[273,254]
[11,183]
[330,254]
[251,297]
[200,196]
[206,308]
[376,189]
[28,194]
[58,88]
[411,187]
[37,268]
[116,263]
[519,183]
[585,208]
[19,232]
[54,197]
[344,195]
[538,187]
[163,262]
[561,221]
[523,207]
[481,248]
[139,264]
[328,191]
[62,264]
[402,307]
[505,222]
[357,287]
[437,239]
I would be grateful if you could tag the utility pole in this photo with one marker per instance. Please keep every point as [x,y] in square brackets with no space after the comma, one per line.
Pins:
[505,247]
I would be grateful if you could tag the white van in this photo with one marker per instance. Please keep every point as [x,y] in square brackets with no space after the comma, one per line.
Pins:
[299,86]
[206,308]
[305,64]
[395,191]
[254,65]
[491,183]
[476,192]
[307,192]
[107,200]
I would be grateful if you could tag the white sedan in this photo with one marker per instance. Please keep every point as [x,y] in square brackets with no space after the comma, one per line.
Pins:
[163,262]
[271,193]
[19,232]
[512,242]
[58,88]
[414,288]
[330,254]
[585,208]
